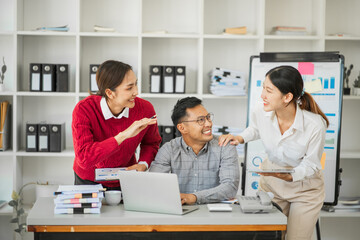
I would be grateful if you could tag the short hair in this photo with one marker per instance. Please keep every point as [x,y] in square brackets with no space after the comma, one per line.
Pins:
[180,107]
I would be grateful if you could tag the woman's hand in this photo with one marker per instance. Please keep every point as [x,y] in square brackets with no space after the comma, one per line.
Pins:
[137,167]
[284,176]
[134,129]
[225,139]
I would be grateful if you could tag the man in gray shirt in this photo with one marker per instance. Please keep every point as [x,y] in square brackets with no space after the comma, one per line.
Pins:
[206,171]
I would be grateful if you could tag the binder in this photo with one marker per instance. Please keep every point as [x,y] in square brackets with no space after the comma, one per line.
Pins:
[93,85]
[57,137]
[62,78]
[180,79]
[155,79]
[43,136]
[31,137]
[48,77]
[5,126]
[35,77]
[168,79]
[168,133]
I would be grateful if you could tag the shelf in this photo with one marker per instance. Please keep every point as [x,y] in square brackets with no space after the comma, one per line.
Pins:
[349,38]
[43,33]
[107,34]
[7,93]
[211,96]
[8,152]
[65,153]
[170,35]
[350,155]
[291,37]
[46,94]
[165,95]
[339,213]
[231,36]
[351,97]
[6,210]
[6,33]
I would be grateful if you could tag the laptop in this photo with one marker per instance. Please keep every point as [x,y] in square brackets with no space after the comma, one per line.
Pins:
[152,192]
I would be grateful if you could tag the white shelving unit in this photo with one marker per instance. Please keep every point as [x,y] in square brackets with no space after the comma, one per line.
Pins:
[164,32]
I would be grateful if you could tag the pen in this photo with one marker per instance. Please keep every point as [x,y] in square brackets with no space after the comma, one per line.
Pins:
[153,117]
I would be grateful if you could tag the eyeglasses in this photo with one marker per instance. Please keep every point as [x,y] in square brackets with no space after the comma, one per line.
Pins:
[201,120]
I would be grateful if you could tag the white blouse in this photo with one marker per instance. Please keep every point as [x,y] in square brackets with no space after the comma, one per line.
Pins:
[301,146]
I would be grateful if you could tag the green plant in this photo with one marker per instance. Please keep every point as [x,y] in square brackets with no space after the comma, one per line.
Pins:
[16,203]
[3,70]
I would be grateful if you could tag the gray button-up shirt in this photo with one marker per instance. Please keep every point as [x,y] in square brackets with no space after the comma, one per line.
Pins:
[212,175]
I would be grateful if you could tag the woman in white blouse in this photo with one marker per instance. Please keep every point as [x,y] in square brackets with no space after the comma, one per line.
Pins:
[292,128]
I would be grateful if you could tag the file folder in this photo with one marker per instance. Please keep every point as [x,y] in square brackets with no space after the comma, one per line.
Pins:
[180,79]
[5,126]
[35,77]
[168,79]
[62,78]
[57,137]
[93,85]
[155,79]
[43,133]
[48,77]
[168,133]
[31,137]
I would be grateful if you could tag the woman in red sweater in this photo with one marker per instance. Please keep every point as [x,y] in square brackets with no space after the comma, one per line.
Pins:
[107,127]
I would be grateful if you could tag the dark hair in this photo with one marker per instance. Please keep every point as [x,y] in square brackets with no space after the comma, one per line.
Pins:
[180,107]
[110,74]
[288,80]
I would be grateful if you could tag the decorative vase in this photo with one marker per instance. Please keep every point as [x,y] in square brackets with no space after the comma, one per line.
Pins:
[2,87]
[356,91]
[346,91]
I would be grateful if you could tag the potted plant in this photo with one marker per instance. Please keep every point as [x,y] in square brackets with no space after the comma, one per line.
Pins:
[356,85]
[2,76]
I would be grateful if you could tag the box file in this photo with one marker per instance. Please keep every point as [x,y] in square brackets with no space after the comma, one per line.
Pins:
[35,77]
[62,77]
[155,79]
[168,133]
[48,77]
[180,79]
[43,136]
[93,85]
[57,137]
[31,137]
[168,79]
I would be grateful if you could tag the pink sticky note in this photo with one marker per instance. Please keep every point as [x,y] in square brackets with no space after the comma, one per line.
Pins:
[306,68]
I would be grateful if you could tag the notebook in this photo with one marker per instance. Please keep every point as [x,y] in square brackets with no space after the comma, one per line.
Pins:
[152,192]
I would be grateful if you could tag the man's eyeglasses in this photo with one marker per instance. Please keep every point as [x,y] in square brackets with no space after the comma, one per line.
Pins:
[201,120]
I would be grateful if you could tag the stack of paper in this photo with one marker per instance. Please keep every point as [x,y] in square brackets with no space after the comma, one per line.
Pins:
[78,199]
[220,130]
[56,29]
[225,82]
[348,204]
[98,28]
[288,30]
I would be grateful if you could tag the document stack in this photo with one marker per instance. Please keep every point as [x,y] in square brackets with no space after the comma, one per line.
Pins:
[288,30]
[225,82]
[78,199]
[220,130]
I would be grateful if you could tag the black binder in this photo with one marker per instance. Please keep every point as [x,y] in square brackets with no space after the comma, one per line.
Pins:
[35,77]
[155,79]
[62,77]
[43,137]
[57,137]
[168,79]
[93,84]
[180,79]
[168,133]
[48,77]
[31,137]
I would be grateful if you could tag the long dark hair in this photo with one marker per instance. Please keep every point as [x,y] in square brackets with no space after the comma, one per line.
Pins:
[110,74]
[288,80]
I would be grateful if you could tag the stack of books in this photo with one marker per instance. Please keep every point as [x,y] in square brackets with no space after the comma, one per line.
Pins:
[218,130]
[288,30]
[226,82]
[78,199]
[54,29]
[235,30]
[348,204]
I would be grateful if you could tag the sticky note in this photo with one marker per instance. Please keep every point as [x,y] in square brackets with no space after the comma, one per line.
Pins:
[306,68]
[313,86]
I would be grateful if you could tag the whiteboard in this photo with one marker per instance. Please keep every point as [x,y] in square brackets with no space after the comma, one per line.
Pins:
[329,99]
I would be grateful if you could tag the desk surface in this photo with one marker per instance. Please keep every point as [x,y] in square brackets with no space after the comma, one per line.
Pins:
[114,218]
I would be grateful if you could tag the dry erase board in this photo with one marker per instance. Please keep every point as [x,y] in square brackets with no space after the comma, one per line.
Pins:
[326,66]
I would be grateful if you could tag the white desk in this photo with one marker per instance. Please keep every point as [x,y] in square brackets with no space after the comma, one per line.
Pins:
[114,219]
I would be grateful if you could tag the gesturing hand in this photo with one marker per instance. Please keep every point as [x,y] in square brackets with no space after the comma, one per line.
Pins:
[225,139]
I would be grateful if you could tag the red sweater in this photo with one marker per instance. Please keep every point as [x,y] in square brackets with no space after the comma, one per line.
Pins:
[94,142]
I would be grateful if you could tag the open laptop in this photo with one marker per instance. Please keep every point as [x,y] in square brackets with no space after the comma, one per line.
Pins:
[152,192]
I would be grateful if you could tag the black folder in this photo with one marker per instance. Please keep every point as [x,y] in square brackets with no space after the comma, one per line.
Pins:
[57,137]
[62,77]
[168,79]
[168,133]
[93,84]
[155,79]
[48,77]
[43,137]
[35,77]
[31,137]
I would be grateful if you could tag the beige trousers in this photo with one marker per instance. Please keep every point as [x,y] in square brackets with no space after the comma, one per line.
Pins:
[301,201]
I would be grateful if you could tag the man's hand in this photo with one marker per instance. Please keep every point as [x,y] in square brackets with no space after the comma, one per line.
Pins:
[188,198]
[137,167]
[284,176]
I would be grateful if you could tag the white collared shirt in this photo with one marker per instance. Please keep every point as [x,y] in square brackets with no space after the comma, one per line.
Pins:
[108,114]
[301,146]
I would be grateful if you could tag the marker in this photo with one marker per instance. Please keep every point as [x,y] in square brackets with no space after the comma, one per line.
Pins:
[153,117]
